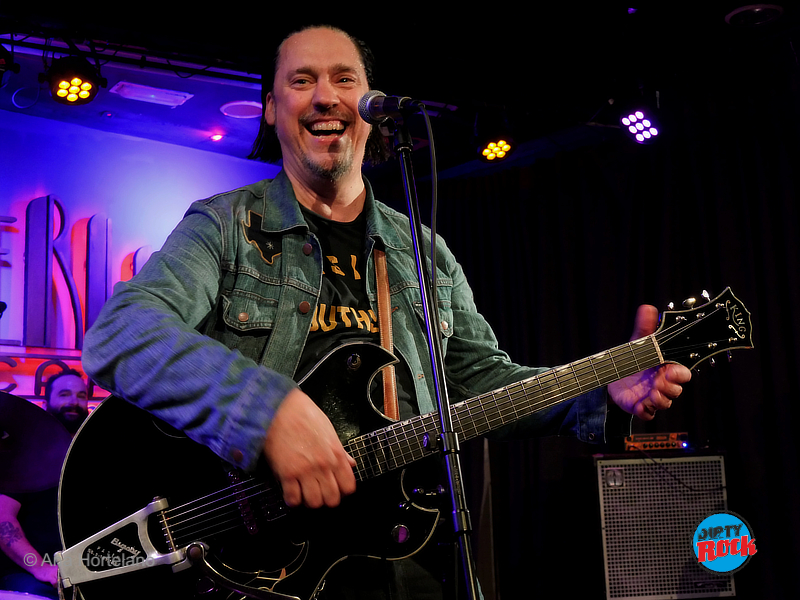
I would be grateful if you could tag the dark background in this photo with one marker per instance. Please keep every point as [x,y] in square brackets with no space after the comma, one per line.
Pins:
[563,244]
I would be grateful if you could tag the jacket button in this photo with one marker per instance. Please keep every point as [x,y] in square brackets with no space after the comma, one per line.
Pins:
[243,317]
[237,456]
[591,437]
[304,307]
[445,325]
[308,249]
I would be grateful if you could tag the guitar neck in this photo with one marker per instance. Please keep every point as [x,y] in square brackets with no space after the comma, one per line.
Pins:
[405,442]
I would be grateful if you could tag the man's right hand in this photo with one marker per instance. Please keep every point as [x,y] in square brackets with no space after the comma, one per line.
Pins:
[306,456]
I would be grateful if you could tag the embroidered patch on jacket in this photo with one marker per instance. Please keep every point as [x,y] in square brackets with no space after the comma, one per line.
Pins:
[265,244]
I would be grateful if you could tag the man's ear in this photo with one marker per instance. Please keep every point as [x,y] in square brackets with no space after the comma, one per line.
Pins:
[269,110]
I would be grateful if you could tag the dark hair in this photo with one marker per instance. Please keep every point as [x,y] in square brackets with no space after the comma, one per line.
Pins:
[48,388]
[266,146]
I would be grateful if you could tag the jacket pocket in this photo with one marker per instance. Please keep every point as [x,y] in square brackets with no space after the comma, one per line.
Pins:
[246,311]
[244,322]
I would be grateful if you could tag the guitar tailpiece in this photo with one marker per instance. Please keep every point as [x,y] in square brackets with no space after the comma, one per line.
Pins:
[123,547]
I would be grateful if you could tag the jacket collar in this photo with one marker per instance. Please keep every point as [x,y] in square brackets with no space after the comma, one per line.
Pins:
[281,213]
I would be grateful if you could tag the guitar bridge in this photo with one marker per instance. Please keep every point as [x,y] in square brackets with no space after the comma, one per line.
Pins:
[123,547]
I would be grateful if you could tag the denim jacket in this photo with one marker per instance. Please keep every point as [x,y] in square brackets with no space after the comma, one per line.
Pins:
[209,334]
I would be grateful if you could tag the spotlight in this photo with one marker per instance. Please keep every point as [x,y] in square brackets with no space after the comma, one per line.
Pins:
[493,135]
[496,150]
[640,125]
[73,80]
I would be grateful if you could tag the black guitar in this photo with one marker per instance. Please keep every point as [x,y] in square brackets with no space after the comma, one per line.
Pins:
[147,513]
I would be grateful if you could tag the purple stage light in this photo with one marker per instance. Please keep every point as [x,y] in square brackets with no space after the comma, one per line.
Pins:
[641,127]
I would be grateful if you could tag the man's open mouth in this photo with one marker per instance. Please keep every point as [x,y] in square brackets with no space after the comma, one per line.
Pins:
[325,128]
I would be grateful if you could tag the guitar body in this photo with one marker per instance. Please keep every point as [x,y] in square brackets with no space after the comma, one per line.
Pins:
[123,458]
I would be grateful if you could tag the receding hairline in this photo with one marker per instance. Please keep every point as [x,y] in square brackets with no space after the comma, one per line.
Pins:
[332,28]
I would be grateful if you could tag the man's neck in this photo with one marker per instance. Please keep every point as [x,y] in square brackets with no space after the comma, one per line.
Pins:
[341,200]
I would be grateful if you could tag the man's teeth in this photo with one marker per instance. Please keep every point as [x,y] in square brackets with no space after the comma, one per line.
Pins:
[325,126]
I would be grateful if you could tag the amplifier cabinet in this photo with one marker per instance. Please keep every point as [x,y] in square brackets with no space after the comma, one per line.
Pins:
[649,510]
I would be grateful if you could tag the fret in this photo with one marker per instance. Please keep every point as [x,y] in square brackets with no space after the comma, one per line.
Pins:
[600,367]
[504,414]
[462,419]
[575,374]
[388,448]
[638,368]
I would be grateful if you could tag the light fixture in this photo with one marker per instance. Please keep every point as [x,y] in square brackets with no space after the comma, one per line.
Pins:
[153,95]
[496,150]
[640,125]
[242,109]
[493,135]
[72,80]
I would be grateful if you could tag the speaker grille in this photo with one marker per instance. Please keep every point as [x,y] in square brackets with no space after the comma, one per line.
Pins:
[649,510]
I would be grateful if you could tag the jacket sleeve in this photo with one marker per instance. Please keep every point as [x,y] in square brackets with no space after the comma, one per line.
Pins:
[474,365]
[144,348]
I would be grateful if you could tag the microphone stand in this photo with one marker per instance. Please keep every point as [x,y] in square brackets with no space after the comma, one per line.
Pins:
[448,439]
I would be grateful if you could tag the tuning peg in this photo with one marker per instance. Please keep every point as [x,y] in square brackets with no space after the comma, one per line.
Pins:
[689,302]
[671,306]
[712,362]
[706,295]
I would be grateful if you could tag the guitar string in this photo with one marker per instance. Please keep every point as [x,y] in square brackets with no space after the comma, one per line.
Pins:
[500,409]
[213,519]
[179,521]
[496,414]
[649,356]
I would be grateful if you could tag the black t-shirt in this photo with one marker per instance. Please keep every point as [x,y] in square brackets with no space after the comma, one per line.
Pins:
[343,311]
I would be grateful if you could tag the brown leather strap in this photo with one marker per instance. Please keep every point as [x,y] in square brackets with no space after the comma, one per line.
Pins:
[390,407]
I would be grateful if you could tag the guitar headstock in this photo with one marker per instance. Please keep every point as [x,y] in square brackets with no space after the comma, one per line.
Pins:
[690,336]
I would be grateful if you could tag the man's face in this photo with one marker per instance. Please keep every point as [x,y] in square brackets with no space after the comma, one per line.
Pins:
[69,402]
[314,105]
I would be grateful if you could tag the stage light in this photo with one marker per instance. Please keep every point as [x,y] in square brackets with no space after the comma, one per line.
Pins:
[640,126]
[496,150]
[73,80]
[493,135]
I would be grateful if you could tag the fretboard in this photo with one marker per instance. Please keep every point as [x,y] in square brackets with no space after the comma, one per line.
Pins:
[407,441]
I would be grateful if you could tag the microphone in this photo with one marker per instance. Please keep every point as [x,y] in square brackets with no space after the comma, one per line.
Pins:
[375,107]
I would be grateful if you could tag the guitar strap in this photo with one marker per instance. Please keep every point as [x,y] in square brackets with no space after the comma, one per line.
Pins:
[390,407]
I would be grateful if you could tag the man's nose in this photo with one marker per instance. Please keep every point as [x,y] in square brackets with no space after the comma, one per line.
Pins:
[326,95]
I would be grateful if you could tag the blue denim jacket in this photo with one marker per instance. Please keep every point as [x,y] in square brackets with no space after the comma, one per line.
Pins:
[208,335]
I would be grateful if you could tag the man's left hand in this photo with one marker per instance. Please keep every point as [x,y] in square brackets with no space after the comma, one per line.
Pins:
[646,392]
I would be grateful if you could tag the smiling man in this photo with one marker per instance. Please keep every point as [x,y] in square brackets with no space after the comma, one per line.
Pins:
[256,286]
[313,107]
[66,399]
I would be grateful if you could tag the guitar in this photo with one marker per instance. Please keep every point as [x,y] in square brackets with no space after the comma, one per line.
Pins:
[147,513]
